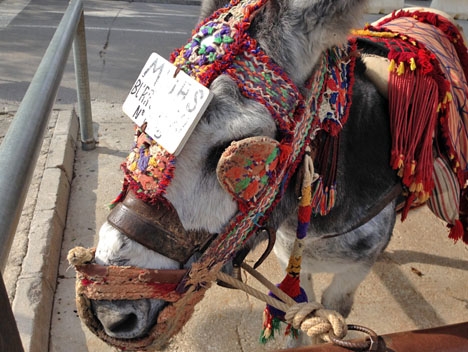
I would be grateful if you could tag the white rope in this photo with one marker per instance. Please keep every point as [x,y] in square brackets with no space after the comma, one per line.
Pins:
[310,317]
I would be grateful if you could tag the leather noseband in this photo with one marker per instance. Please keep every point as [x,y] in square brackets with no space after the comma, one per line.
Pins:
[157,227]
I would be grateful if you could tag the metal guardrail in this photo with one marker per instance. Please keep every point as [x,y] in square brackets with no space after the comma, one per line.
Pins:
[20,148]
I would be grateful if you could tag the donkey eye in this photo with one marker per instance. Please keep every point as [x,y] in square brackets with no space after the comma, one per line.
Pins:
[215,154]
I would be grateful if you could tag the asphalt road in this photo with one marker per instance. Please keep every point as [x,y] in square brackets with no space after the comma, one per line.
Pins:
[120,36]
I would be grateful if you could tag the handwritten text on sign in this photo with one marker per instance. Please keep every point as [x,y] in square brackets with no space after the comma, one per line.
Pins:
[171,106]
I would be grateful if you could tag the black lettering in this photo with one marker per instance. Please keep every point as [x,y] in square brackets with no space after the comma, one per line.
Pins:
[155,69]
[139,111]
[151,93]
[173,87]
[183,92]
[198,95]
[136,87]
[143,95]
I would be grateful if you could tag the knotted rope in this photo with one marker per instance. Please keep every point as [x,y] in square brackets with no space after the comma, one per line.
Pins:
[310,317]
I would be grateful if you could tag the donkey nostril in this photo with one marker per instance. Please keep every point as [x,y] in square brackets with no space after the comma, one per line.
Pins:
[127,324]
[126,319]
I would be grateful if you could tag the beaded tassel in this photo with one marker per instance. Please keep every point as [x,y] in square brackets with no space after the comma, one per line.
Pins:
[291,283]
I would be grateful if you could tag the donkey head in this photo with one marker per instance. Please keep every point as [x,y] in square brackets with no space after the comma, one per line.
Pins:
[293,33]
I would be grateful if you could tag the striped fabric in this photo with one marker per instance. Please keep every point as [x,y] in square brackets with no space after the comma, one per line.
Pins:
[446,193]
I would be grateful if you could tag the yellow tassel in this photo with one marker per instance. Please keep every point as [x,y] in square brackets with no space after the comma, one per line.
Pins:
[416,187]
[400,172]
[401,160]
[419,187]
[423,197]
[412,64]
[391,67]
[448,97]
[133,166]
[367,32]
[401,68]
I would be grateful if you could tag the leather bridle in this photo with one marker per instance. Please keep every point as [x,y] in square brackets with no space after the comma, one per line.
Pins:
[157,227]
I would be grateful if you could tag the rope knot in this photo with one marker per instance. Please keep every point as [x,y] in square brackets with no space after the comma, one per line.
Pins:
[80,255]
[315,320]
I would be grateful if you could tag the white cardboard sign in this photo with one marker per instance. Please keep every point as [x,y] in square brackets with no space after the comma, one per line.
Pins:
[171,104]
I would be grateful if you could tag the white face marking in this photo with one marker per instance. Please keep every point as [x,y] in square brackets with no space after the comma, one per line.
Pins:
[114,248]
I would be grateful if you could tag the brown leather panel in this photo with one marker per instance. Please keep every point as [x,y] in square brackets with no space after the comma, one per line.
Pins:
[157,227]
[449,338]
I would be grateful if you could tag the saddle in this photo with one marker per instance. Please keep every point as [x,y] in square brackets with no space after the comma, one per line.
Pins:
[430,141]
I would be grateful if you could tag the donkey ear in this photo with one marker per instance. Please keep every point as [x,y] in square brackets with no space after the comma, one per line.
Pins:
[246,168]
[325,23]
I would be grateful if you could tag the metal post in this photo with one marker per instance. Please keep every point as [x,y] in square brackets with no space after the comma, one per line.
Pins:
[82,82]
[20,148]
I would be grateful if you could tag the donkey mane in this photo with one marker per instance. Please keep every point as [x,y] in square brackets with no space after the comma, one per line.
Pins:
[294,33]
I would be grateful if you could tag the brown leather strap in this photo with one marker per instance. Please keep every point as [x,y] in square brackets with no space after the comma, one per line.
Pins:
[157,227]
[449,338]
[371,212]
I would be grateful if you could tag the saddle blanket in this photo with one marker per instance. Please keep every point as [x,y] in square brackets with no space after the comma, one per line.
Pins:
[428,103]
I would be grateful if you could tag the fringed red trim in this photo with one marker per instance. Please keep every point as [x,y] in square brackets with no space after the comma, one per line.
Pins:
[428,65]
[120,197]
[456,231]
[443,24]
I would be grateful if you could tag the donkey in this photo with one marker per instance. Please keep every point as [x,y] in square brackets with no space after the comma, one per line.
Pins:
[293,33]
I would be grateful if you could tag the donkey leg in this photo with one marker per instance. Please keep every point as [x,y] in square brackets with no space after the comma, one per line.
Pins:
[339,295]
[359,251]
[307,283]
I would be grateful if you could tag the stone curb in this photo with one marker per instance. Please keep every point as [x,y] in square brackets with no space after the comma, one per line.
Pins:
[33,302]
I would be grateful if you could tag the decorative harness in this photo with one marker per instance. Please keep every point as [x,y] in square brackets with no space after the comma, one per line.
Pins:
[255,171]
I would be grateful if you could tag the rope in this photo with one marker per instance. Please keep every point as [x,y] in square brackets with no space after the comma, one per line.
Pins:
[310,317]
